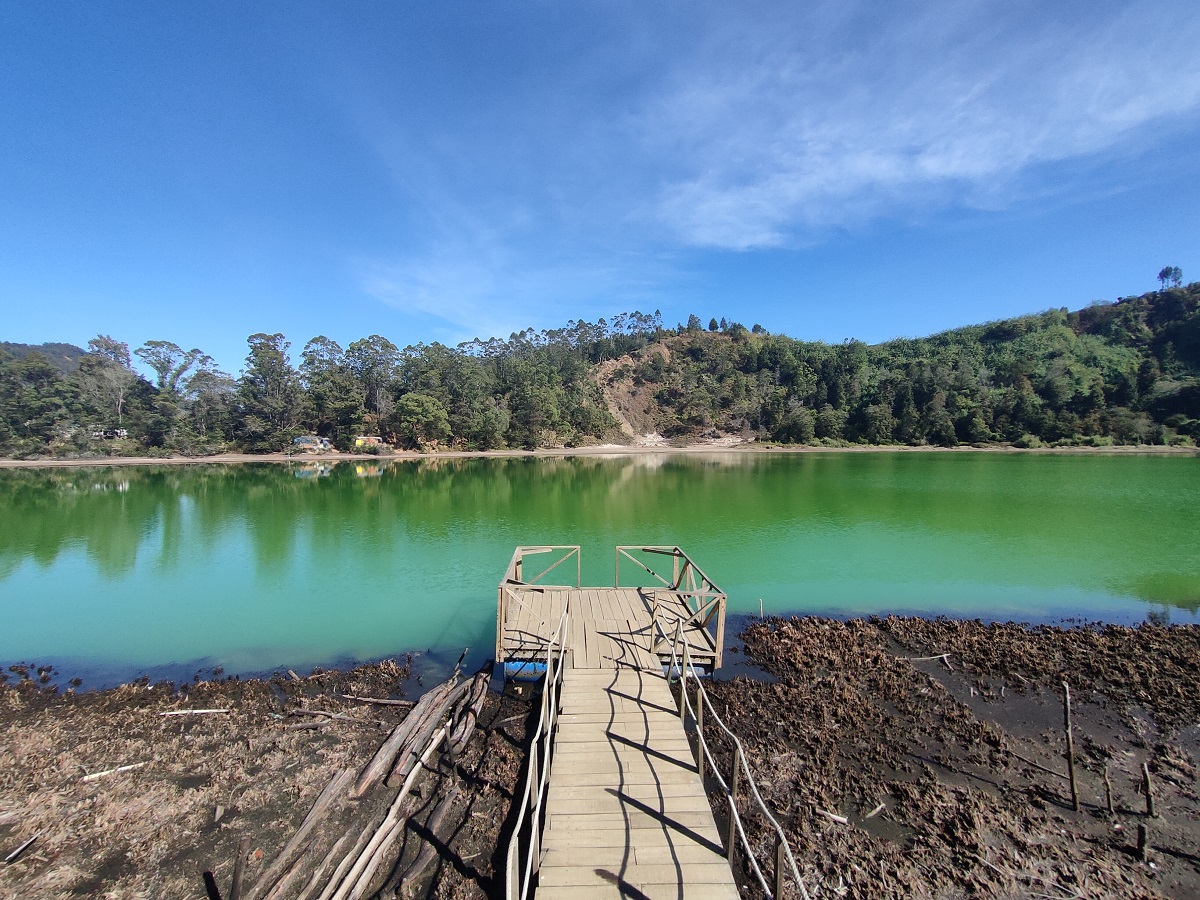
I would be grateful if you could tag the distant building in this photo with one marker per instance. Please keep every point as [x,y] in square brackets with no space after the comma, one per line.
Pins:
[368,440]
[310,443]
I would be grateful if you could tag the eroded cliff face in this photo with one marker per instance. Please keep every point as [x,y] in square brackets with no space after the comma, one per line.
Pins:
[630,400]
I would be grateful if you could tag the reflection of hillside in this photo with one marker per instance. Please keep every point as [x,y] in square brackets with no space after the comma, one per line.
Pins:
[796,520]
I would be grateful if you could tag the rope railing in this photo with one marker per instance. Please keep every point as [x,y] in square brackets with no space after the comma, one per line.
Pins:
[785,862]
[541,748]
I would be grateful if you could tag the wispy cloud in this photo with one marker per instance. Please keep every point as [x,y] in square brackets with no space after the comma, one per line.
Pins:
[828,119]
[753,126]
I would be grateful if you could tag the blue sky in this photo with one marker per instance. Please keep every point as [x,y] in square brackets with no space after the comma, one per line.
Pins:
[440,171]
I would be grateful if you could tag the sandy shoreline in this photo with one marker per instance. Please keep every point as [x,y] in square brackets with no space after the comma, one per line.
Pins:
[598,450]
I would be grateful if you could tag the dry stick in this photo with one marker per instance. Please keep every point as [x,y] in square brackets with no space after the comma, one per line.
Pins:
[1148,788]
[876,811]
[1070,745]
[94,775]
[428,855]
[1108,797]
[1030,762]
[192,712]
[239,868]
[331,793]
[378,700]
[16,854]
[1143,845]
[371,855]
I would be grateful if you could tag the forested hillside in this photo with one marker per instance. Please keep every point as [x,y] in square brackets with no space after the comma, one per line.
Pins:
[1124,372]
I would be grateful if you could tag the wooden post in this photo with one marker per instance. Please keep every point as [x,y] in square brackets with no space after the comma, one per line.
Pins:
[239,868]
[779,861]
[687,664]
[1143,847]
[1108,797]
[700,733]
[731,832]
[1148,789]
[1070,745]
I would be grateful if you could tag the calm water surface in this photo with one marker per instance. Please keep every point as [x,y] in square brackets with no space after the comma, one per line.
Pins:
[115,572]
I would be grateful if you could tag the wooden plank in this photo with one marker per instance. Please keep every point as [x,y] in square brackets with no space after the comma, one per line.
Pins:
[584,854]
[609,803]
[627,889]
[697,873]
[652,792]
[626,779]
[687,823]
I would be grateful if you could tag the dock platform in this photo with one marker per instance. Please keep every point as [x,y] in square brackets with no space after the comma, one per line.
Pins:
[617,803]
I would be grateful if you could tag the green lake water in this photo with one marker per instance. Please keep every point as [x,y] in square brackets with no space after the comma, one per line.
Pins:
[114,572]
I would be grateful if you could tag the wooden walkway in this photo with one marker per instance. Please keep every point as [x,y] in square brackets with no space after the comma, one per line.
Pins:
[625,814]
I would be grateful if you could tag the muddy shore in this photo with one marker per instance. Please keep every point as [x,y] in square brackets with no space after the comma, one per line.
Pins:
[965,754]
[200,783]
[954,728]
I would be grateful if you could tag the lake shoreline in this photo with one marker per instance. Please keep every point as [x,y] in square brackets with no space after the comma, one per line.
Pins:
[953,726]
[598,450]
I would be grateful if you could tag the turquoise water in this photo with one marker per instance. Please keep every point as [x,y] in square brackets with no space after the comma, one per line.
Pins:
[127,570]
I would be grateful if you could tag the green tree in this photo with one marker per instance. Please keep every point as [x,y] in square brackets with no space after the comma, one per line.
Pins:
[336,399]
[374,361]
[420,420]
[269,395]
[106,377]
[171,363]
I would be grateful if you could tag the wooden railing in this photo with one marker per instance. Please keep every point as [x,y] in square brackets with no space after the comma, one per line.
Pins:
[688,597]
[735,832]
[516,577]
[532,807]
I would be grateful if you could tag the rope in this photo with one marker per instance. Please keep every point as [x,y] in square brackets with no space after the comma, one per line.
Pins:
[739,759]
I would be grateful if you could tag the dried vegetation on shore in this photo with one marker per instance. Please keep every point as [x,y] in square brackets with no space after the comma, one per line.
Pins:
[966,754]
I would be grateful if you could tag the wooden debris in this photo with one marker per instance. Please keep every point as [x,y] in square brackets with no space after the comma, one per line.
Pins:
[239,868]
[1148,790]
[380,701]
[16,854]
[287,856]
[428,855]
[94,775]
[834,817]
[192,712]
[876,811]
[410,754]
[1070,745]
[379,766]
[364,868]
[468,716]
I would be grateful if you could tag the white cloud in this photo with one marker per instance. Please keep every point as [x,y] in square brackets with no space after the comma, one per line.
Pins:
[823,122]
[754,125]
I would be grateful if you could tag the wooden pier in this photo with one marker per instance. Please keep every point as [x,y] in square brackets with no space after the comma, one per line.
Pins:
[618,804]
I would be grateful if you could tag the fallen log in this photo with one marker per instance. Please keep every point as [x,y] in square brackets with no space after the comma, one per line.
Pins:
[323,867]
[428,855]
[473,705]
[380,701]
[364,864]
[381,763]
[294,847]
[407,758]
